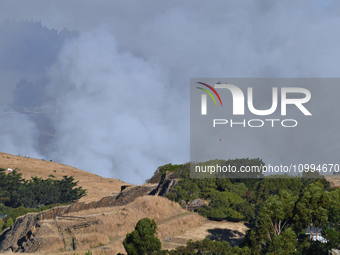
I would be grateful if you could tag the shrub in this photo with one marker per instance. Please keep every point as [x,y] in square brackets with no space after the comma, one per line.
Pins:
[142,240]
[9,223]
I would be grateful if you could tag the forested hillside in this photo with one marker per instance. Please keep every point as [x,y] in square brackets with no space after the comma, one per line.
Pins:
[279,209]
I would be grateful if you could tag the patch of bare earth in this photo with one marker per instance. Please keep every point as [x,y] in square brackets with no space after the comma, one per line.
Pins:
[334,180]
[96,186]
[233,232]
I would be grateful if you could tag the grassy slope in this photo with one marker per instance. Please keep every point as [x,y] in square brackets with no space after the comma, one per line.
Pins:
[97,187]
[115,222]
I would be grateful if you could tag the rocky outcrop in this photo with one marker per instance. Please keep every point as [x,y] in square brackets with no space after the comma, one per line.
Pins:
[166,183]
[12,237]
[24,227]
[193,203]
[127,196]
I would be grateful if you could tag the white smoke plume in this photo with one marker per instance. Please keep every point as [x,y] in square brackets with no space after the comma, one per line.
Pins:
[18,133]
[116,95]
[114,111]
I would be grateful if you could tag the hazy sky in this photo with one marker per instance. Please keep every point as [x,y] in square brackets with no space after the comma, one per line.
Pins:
[104,85]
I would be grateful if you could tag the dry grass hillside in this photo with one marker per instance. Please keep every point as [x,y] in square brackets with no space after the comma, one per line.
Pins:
[111,224]
[97,186]
[103,229]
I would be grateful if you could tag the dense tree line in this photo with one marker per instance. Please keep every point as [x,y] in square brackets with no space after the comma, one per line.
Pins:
[228,197]
[282,219]
[19,196]
[279,209]
[16,191]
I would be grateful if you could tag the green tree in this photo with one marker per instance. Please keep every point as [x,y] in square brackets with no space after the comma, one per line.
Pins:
[273,226]
[68,191]
[283,244]
[15,191]
[272,186]
[44,191]
[185,190]
[206,186]
[309,177]
[222,206]
[205,246]
[9,223]
[311,209]
[9,182]
[275,214]
[142,240]
[236,188]
[331,231]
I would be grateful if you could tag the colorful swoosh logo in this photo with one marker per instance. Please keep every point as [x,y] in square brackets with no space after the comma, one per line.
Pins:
[208,92]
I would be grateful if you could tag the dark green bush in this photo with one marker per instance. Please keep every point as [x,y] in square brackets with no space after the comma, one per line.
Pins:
[33,193]
[142,240]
